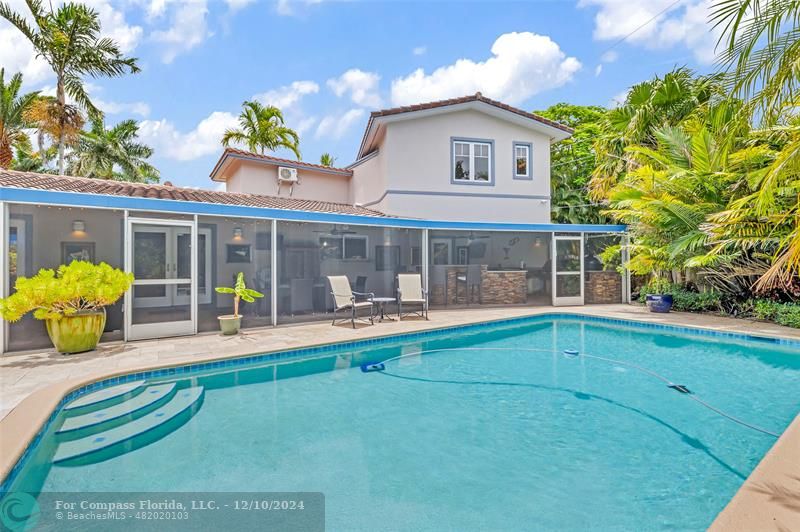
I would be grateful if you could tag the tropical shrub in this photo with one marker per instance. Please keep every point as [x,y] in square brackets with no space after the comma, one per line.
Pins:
[75,287]
[684,298]
[787,314]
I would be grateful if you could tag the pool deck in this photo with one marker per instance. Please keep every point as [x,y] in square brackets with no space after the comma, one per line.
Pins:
[33,383]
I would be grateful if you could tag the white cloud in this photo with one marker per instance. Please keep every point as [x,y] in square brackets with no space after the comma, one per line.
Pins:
[287,96]
[287,7]
[204,139]
[107,106]
[114,25]
[236,5]
[420,50]
[361,86]
[17,54]
[684,23]
[609,56]
[335,126]
[618,99]
[188,29]
[597,70]
[305,124]
[117,108]
[522,64]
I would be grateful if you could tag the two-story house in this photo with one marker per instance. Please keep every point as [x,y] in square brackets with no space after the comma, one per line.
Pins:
[457,191]
[444,160]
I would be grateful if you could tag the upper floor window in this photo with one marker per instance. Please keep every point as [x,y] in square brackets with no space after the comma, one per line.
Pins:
[472,161]
[522,161]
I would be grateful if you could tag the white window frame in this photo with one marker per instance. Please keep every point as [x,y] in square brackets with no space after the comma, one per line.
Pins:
[472,143]
[527,158]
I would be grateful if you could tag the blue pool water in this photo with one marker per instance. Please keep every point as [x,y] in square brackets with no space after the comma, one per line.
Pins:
[513,436]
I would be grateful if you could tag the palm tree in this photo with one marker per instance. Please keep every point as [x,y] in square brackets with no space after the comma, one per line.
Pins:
[692,174]
[326,159]
[12,117]
[649,106]
[113,154]
[68,38]
[54,121]
[760,50]
[262,128]
[27,162]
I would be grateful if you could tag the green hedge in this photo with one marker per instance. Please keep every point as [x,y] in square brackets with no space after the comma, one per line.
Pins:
[782,313]
[689,300]
[684,299]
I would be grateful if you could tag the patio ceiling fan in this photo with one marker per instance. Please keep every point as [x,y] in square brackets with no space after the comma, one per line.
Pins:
[344,230]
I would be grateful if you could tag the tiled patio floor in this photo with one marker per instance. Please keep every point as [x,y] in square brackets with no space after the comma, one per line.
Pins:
[31,384]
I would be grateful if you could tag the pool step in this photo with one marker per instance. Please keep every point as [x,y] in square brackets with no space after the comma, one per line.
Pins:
[133,434]
[148,397]
[106,395]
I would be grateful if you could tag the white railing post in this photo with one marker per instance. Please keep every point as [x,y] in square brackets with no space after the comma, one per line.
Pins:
[424,258]
[4,285]
[273,272]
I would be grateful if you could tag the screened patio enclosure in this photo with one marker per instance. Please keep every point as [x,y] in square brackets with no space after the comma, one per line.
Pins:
[180,251]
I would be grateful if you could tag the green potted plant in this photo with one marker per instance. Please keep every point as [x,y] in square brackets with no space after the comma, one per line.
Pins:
[230,323]
[70,300]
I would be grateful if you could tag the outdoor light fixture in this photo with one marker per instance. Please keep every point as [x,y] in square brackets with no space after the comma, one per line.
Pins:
[78,226]
[237,233]
[537,242]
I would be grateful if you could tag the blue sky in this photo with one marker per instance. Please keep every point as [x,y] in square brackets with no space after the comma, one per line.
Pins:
[328,64]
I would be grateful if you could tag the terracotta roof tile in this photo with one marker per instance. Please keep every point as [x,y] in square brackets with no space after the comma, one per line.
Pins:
[477,97]
[276,160]
[31,180]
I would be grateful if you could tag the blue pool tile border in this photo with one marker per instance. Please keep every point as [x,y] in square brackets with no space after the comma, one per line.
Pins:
[304,352]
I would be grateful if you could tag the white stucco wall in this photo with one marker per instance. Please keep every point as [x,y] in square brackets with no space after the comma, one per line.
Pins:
[369,181]
[260,178]
[418,171]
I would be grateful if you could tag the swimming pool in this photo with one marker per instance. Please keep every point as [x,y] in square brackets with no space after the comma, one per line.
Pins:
[482,427]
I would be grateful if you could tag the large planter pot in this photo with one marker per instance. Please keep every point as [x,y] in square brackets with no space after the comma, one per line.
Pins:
[77,333]
[659,302]
[230,324]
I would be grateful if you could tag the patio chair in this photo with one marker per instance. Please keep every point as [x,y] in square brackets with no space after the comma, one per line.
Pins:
[344,300]
[411,294]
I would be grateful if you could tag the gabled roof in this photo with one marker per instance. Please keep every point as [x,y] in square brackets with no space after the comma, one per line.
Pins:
[233,153]
[556,130]
[31,180]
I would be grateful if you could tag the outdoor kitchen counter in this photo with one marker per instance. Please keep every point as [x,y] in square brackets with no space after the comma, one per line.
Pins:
[503,287]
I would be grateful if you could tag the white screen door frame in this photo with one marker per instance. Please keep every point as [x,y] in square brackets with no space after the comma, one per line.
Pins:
[566,273]
[169,280]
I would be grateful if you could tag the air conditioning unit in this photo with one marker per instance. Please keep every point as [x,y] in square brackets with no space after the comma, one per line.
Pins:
[287,175]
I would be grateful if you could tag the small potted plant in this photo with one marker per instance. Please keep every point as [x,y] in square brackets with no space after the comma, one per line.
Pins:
[231,323]
[70,300]
[658,298]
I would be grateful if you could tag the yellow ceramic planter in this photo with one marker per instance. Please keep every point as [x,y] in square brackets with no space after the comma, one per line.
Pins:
[77,333]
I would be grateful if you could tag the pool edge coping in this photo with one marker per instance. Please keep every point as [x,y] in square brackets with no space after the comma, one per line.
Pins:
[46,402]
